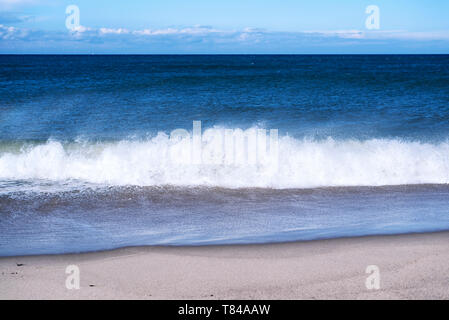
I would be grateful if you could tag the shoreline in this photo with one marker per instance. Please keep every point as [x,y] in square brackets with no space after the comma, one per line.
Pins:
[411,266]
[162,246]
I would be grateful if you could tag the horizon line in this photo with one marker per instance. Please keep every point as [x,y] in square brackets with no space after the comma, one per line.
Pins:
[222,54]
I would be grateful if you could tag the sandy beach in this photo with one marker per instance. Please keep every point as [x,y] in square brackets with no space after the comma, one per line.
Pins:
[413,266]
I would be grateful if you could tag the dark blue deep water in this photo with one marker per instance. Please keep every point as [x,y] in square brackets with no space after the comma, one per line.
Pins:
[86,156]
[113,97]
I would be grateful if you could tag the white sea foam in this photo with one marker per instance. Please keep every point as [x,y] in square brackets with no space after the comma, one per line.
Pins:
[302,163]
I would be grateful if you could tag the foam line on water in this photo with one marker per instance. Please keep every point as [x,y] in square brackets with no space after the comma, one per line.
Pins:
[303,163]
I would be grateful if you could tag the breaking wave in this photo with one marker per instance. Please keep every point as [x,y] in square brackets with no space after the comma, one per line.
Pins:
[301,163]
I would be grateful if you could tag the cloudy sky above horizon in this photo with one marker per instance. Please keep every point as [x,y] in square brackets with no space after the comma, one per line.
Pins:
[245,26]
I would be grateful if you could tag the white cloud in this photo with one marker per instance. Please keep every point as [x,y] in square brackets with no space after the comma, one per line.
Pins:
[345,34]
[11,33]
[196,30]
[417,36]
[382,34]
[149,32]
[113,31]
[246,34]
[79,32]
[6,32]
[203,38]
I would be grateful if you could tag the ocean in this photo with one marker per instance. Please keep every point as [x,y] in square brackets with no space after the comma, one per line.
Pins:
[98,152]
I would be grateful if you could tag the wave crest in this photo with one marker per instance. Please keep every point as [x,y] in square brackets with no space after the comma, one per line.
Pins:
[302,163]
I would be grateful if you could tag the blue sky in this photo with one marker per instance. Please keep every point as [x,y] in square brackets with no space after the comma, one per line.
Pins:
[207,26]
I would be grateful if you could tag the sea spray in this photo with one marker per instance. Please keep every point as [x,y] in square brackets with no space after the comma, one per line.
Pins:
[302,163]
